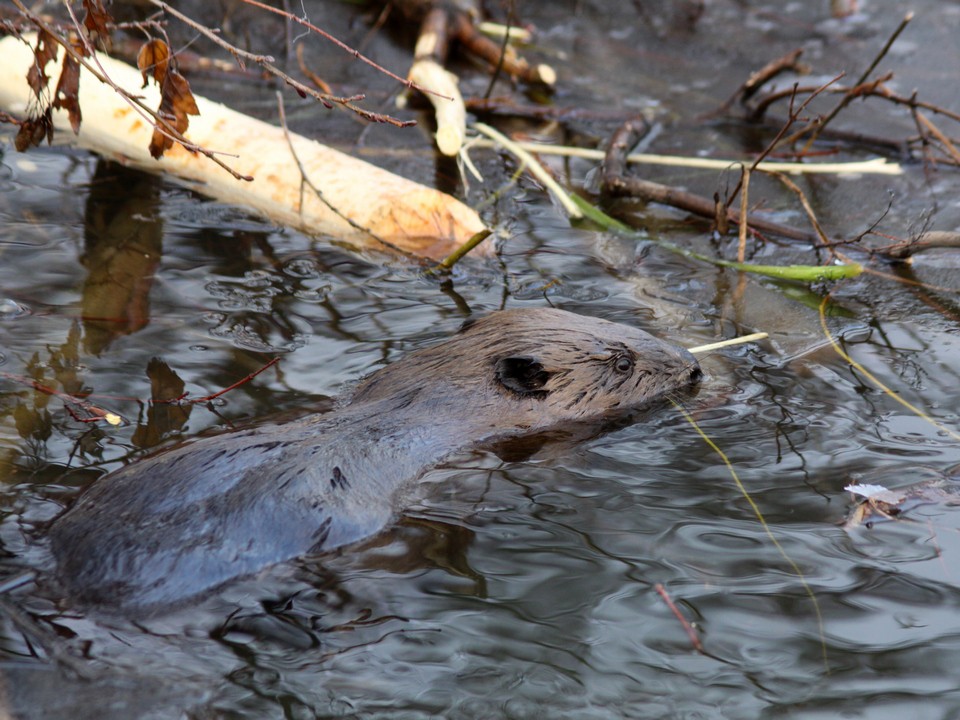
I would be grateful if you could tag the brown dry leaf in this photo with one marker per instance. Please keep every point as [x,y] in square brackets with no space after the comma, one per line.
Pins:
[176,103]
[152,60]
[879,503]
[34,130]
[68,86]
[95,21]
[45,51]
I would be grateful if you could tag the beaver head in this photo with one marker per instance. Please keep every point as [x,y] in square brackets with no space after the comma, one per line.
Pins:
[532,369]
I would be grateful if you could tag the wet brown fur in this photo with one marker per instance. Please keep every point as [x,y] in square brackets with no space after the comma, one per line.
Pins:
[188,519]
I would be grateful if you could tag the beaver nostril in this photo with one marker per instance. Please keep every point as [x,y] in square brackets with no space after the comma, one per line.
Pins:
[696,374]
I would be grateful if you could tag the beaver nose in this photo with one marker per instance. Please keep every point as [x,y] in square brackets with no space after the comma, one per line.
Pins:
[695,375]
[689,367]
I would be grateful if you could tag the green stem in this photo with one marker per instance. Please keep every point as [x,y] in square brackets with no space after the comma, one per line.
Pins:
[450,260]
[802,273]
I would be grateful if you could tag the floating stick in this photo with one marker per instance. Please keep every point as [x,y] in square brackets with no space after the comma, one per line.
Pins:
[727,343]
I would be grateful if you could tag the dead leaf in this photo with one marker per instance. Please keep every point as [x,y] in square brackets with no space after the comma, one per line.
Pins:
[46,50]
[176,99]
[34,130]
[95,21]
[176,103]
[68,87]
[881,503]
[152,60]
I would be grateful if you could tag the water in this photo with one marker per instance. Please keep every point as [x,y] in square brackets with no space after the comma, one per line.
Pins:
[520,589]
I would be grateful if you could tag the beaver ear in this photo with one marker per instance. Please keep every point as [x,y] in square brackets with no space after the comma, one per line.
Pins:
[522,374]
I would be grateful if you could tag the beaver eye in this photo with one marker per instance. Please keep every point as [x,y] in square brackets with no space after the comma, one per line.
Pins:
[623,364]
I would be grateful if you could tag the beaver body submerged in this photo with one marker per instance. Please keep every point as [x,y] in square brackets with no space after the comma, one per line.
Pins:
[191,518]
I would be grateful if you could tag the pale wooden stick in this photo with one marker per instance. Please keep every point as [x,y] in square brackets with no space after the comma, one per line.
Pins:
[875,166]
[726,343]
[428,72]
[496,30]
[533,166]
[449,110]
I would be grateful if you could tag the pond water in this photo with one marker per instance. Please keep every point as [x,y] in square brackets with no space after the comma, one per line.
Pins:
[524,588]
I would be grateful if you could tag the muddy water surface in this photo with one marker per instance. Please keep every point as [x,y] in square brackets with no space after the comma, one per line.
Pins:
[522,588]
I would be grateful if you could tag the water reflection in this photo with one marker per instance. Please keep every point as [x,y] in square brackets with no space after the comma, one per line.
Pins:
[123,242]
[522,588]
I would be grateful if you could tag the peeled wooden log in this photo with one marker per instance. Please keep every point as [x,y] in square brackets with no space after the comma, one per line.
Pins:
[428,72]
[450,112]
[361,203]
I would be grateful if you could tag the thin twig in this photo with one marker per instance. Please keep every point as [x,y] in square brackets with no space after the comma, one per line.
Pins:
[791,119]
[266,62]
[927,240]
[453,258]
[848,98]
[691,633]
[951,149]
[339,43]
[238,383]
[503,52]
[305,180]
[70,401]
[533,166]
[873,89]
[744,212]
[237,53]
[758,79]
[824,240]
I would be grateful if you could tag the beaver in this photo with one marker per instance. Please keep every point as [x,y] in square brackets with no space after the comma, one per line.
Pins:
[166,528]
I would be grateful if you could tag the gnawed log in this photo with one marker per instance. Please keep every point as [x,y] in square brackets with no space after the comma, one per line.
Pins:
[358,203]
